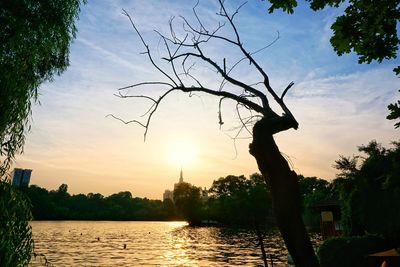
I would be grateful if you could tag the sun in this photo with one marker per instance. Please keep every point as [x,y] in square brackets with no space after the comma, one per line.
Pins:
[181,152]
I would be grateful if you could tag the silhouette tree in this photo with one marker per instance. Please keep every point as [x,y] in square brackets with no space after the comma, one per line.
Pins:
[187,200]
[182,52]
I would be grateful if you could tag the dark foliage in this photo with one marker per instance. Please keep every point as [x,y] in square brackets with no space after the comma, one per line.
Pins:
[314,190]
[16,245]
[189,203]
[370,193]
[351,251]
[236,200]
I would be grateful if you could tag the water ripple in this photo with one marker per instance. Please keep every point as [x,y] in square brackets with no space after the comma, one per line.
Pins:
[101,243]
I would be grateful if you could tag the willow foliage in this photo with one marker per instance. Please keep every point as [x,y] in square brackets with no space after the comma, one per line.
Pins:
[16,244]
[34,45]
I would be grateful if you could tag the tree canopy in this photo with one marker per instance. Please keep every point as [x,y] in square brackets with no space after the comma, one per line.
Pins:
[236,200]
[188,201]
[35,39]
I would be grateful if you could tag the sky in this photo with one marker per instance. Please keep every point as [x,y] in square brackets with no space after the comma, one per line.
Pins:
[338,103]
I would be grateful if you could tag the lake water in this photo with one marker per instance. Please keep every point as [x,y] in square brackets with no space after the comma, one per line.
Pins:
[101,243]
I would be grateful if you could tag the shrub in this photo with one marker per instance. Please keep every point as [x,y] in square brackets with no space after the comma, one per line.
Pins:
[351,251]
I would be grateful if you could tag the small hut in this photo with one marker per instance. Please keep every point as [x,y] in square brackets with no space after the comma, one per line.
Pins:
[330,217]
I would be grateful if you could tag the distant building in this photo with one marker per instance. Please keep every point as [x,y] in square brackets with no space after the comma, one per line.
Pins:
[21,177]
[169,194]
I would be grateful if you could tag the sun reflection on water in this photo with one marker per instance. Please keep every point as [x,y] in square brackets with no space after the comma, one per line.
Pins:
[83,243]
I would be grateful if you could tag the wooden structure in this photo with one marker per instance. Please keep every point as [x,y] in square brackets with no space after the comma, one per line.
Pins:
[330,217]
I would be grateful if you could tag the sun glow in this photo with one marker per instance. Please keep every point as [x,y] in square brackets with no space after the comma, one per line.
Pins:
[181,153]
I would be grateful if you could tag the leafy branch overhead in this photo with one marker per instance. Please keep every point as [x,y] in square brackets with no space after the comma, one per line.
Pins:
[184,51]
[394,113]
[369,28]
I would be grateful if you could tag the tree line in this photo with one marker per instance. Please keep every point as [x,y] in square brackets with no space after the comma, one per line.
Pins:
[231,200]
[60,205]
[367,186]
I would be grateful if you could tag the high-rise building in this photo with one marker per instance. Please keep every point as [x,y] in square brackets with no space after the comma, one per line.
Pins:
[21,177]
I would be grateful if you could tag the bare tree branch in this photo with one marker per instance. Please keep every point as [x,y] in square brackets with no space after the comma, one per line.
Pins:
[179,54]
[126,122]
[286,90]
[225,76]
[145,83]
[147,48]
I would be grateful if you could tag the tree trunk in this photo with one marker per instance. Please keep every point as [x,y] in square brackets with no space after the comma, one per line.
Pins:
[283,183]
[261,242]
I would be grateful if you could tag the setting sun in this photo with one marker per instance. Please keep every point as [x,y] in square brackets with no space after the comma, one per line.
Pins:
[181,152]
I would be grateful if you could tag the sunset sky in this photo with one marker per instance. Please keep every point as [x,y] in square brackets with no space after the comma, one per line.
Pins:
[338,103]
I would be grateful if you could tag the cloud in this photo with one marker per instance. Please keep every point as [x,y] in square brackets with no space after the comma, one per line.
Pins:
[113,57]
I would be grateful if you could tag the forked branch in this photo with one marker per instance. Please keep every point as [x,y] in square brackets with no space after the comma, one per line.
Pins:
[184,52]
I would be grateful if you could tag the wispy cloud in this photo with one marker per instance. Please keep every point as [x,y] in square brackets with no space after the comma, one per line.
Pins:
[113,57]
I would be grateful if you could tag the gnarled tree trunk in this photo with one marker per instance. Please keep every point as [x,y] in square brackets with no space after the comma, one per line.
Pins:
[284,187]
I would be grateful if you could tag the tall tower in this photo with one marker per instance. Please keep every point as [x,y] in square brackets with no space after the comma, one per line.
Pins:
[181,177]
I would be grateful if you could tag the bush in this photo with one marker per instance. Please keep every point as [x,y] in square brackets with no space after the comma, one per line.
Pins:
[351,251]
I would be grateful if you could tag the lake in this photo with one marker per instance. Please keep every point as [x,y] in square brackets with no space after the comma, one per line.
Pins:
[101,243]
